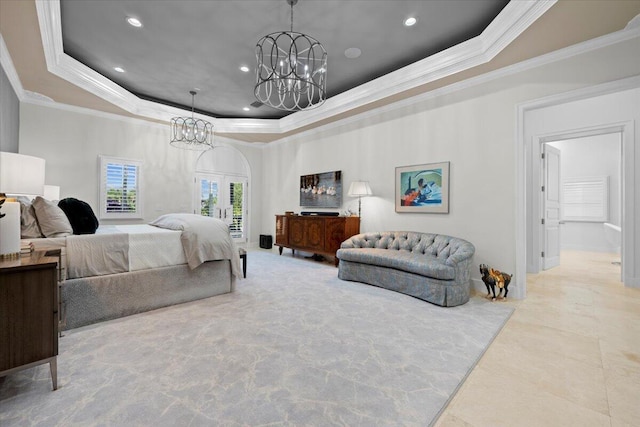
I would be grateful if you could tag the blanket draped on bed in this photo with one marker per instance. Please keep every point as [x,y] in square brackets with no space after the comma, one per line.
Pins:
[97,254]
[203,239]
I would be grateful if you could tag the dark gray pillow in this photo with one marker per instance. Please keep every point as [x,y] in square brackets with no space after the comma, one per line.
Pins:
[80,214]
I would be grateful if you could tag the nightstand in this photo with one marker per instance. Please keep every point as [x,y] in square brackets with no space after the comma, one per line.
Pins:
[29,312]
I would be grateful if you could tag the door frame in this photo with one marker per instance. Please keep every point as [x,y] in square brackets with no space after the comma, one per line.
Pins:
[248,175]
[528,177]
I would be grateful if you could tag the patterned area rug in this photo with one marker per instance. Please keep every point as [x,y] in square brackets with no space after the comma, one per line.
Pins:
[293,345]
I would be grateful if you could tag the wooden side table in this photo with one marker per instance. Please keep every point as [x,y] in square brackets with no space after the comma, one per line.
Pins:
[29,313]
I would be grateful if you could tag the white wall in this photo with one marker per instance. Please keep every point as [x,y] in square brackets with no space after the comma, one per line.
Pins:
[473,128]
[71,142]
[598,155]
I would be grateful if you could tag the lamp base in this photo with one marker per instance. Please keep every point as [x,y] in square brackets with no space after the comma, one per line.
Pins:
[10,230]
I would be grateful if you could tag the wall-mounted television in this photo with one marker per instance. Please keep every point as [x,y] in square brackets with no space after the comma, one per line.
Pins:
[321,190]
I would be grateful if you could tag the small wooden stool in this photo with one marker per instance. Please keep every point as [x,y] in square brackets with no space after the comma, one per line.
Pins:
[243,257]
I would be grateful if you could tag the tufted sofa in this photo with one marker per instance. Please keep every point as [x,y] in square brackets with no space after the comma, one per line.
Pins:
[432,267]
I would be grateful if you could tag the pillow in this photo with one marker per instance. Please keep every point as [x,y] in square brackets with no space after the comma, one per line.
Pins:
[80,215]
[29,227]
[53,222]
[169,221]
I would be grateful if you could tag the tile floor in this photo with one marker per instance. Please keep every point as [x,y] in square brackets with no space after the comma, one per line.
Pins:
[569,355]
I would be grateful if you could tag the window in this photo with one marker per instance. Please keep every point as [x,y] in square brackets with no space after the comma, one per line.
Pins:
[586,199]
[120,193]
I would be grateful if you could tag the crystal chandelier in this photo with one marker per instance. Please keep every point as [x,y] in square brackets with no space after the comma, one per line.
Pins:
[292,70]
[190,133]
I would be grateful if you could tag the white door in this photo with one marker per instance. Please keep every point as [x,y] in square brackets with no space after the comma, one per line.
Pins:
[223,197]
[551,207]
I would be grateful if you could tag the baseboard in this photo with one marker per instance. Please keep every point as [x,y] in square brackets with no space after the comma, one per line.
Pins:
[632,282]
[601,249]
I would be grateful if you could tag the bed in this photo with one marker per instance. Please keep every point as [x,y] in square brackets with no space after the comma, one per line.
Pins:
[126,269]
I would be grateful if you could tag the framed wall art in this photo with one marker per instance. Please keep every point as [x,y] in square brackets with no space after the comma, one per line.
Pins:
[423,188]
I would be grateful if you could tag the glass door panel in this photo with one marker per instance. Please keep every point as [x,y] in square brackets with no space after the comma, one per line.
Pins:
[223,197]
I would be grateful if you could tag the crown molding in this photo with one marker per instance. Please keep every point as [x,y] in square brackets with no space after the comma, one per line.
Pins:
[628,33]
[509,24]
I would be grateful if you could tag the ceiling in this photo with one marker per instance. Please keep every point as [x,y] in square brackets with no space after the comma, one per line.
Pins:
[184,45]
[34,33]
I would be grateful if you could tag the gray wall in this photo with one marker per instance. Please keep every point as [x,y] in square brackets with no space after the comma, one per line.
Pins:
[9,115]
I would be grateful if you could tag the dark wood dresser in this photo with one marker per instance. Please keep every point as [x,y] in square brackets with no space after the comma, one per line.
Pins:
[29,312]
[320,235]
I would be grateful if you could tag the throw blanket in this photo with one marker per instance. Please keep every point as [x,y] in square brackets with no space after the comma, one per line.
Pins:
[203,239]
[97,254]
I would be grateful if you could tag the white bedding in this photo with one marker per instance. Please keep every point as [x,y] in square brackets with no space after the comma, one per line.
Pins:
[97,254]
[203,239]
[124,248]
[152,247]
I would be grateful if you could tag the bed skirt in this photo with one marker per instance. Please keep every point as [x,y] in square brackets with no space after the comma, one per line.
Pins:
[95,299]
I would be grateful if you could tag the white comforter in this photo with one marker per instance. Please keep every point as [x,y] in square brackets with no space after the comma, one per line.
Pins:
[203,239]
[176,239]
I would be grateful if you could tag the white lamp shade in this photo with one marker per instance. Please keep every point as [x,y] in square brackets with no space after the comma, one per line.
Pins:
[360,189]
[51,192]
[21,174]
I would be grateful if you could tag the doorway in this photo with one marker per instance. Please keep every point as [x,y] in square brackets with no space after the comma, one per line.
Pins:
[223,197]
[221,189]
[589,187]
[607,108]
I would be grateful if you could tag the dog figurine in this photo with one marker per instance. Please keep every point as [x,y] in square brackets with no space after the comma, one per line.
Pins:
[492,278]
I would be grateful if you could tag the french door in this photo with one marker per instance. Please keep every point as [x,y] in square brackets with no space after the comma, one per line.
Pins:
[223,197]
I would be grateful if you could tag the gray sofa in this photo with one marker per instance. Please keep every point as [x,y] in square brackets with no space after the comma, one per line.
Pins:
[432,267]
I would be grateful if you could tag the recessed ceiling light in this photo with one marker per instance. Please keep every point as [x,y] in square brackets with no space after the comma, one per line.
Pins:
[119,69]
[134,22]
[246,108]
[244,69]
[352,52]
[410,21]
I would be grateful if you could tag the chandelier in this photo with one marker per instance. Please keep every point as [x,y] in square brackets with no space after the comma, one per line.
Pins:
[292,70]
[190,133]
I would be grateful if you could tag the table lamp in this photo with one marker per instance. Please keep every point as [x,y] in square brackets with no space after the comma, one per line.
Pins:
[360,189]
[19,175]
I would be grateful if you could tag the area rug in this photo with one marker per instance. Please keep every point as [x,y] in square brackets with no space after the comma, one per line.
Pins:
[293,345]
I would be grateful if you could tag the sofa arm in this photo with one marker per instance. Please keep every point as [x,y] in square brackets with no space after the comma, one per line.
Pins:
[460,250]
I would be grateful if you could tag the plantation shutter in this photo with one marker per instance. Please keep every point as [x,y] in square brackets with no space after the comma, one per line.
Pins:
[120,188]
[586,199]
[236,192]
